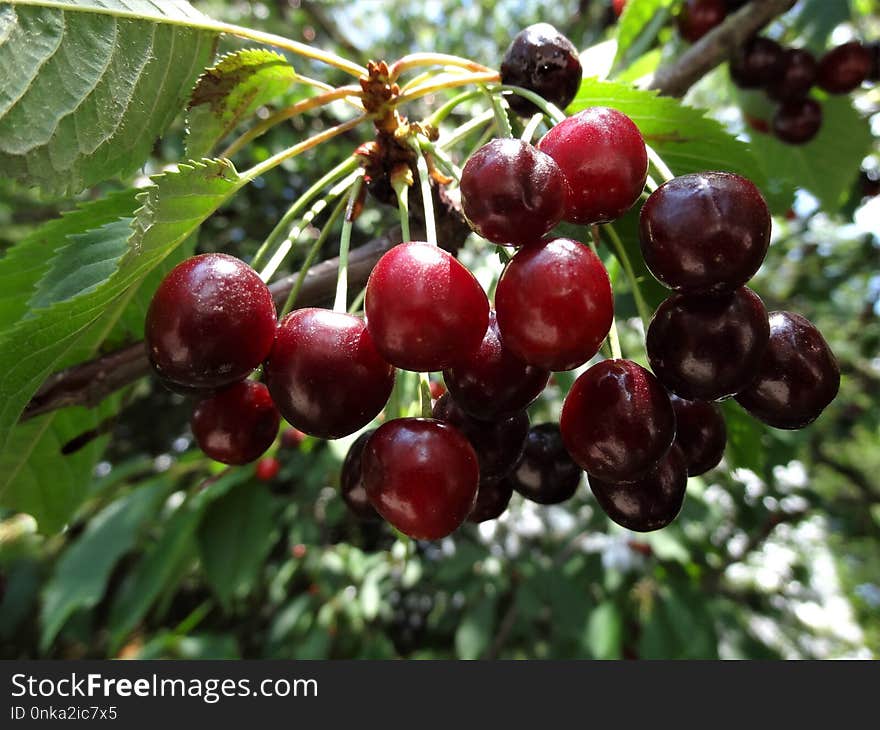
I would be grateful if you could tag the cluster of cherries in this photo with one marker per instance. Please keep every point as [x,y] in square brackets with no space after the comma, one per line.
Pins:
[788,74]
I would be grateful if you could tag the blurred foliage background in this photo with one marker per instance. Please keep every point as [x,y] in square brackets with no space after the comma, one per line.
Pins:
[774,555]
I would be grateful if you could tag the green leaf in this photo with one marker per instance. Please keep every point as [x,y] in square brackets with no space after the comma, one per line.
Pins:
[476,629]
[641,19]
[80,576]
[744,439]
[234,539]
[828,164]
[232,90]
[89,86]
[683,136]
[815,19]
[604,636]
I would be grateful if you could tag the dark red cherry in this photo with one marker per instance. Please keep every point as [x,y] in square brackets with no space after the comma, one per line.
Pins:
[493,496]
[267,469]
[498,444]
[492,382]
[649,503]
[756,63]
[554,304]
[542,60]
[797,122]
[325,374]
[425,311]
[698,17]
[291,438]
[700,433]
[705,232]
[351,480]
[546,474]
[603,157]
[511,192]
[617,421]
[708,347]
[421,475]
[845,68]
[795,76]
[210,323]
[237,424]
[799,375]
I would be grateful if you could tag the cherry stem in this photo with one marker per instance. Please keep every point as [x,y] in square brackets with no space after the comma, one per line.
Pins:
[427,199]
[416,60]
[623,257]
[550,109]
[465,129]
[343,168]
[401,188]
[447,81]
[440,157]
[444,111]
[532,127]
[651,183]
[425,395]
[665,173]
[501,118]
[340,303]
[293,110]
[614,340]
[310,257]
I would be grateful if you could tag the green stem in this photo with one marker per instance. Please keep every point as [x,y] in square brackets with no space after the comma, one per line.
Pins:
[551,110]
[402,190]
[427,199]
[339,304]
[501,118]
[425,395]
[659,164]
[623,257]
[465,129]
[444,111]
[614,339]
[532,127]
[440,157]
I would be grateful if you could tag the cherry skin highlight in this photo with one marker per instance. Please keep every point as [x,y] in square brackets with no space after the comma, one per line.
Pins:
[705,232]
[617,421]
[351,480]
[511,192]
[652,502]
[236,425]
[325,374]
[708,348]
[797,122]
[602,155]
[545,473]
[700,433]
[756,63]
[542,60]
[421,475]
[698,17]
[799,375]
[210,323]
[492,382]
[425,311]
[554,304]
[493,496]
[845,68]
[795,76]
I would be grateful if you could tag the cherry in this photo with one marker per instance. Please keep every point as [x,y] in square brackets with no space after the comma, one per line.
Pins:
[795,75]
[511,192]
[421,475]
[799,375]
[705,232]
[698,17]
[437,389]
[498,444]
[351,480]
[617,421]
[845,68]
[237,424]
[493,497]
[210,323]
[291,438]
[797,122]
[618,6]
[267,469]
[649,503]
[492,382]
[325,374]
[542,60]
[425,311]
[756,63]
[554,304]
[603,157]
[546,474]
[700,433]
[707,348]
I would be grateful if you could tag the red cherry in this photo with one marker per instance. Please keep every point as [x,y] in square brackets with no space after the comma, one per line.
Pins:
[554,304]
[845,68]
[795,76]
[325,374]
[267,469]
[493,497]
[291,438]
[351,480]
[698,17]
[437,389]
[798,121]
[237,424]
[700,432]
[425,311]
[421,475]
[603,157]
[210,323]
[618,6]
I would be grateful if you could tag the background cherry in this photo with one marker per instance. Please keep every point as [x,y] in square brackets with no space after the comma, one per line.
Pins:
[421,475]
[267,469]
[700,433]
[698,17]
[650,503]
[756,63]
[351,481]
[797,122]
[708,348]
[799,375]
[546,473]
[237,424]
[325,374]
[493,496]
[617,421]
[795,76]
[844,68]
[554,304]
[603,157]
[210,323]
[425,311]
